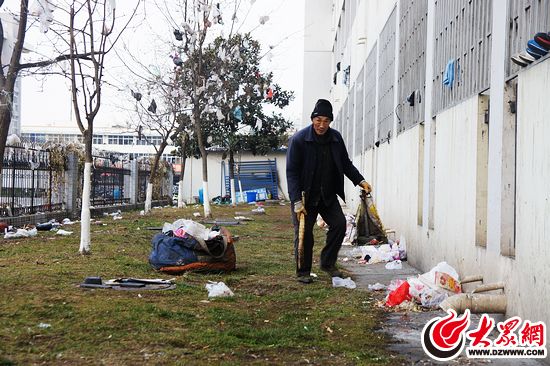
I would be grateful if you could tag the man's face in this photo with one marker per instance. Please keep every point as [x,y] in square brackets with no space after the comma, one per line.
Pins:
[320,124]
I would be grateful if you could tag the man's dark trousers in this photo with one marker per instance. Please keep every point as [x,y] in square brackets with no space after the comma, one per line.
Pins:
[336,221]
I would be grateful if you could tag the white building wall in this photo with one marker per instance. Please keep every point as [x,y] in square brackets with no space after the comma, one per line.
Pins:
[533,193]
[317,55]
[466,183]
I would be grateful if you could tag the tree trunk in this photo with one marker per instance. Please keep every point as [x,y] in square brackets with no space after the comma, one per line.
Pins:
[85,215]
[204,159]
[232,178]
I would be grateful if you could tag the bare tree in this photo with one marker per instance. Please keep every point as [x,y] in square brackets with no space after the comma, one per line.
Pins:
[160,117]
[91,25]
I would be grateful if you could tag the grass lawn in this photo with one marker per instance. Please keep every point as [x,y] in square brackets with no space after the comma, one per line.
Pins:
[271,320]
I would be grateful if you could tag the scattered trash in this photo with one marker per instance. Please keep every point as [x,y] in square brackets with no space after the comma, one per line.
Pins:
[321,223]
[394,265]
[67,221]
[443,271]
[117,217]
[398,295]
[314,275]
[142,213]
[402,247]
[186,245]
[20,233]
[44,325]
[341,282]
[44,227]
[351,231]
[258,210]
[128,284]
[196,214]
[63,232]
[243,218]
[377,287]
[218,289]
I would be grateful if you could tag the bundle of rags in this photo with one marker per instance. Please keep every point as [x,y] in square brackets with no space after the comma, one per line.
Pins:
[175,253]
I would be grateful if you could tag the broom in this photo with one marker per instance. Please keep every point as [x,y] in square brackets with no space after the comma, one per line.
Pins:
[301,233]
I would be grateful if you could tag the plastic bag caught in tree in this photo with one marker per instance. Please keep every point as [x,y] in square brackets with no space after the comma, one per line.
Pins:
[152,107]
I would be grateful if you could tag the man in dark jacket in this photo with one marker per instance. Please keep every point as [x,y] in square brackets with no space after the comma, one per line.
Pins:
[316,162]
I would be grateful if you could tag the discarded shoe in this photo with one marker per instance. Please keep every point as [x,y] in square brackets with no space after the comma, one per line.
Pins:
[534,46]
[305,279]
[526,57]
[333,271]
[533,53]
[519,61]
[543,39]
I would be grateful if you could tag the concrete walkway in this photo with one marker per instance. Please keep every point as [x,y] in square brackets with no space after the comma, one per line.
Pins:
[405,327]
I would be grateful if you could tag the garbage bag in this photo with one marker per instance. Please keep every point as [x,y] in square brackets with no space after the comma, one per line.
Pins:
[398,295]
[368,223]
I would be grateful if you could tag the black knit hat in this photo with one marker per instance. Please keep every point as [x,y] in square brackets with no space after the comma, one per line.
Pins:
[322,108]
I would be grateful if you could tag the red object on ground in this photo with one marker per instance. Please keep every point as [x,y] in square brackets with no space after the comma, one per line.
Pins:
[399,295]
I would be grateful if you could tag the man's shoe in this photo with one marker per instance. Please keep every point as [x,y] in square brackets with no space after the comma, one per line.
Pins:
[333,271]
[305,279]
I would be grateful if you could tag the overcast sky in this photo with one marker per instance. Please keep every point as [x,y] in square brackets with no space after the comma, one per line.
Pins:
[46,100]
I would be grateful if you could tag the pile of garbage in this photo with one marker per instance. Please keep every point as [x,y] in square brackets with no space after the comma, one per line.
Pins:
[428,290]
[12,232]
[394,251]
[188,245]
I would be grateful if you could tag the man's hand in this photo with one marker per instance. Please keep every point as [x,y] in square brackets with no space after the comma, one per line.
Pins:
[299,208]
[366,186]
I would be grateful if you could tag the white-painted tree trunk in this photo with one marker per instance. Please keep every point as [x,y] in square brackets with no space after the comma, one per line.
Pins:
[233,192]
[148,197]
[181,202]
[85,213]
[206,199]
[242,199]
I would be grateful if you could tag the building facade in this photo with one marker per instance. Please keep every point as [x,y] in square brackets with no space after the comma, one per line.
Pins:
[450,132]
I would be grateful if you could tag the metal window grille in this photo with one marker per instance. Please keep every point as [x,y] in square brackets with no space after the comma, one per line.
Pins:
[370,98]
[387,78]
[359,118]
[463,34]
[412,62]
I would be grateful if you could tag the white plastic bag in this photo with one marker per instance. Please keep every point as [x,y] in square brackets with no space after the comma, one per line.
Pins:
[377,287]
[443,271]
[20,233]
[394,265]
[341,282]
[198,231]
[218,289]
[63,232]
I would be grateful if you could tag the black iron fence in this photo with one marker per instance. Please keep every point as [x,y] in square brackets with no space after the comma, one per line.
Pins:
[29,184]
[108,178]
